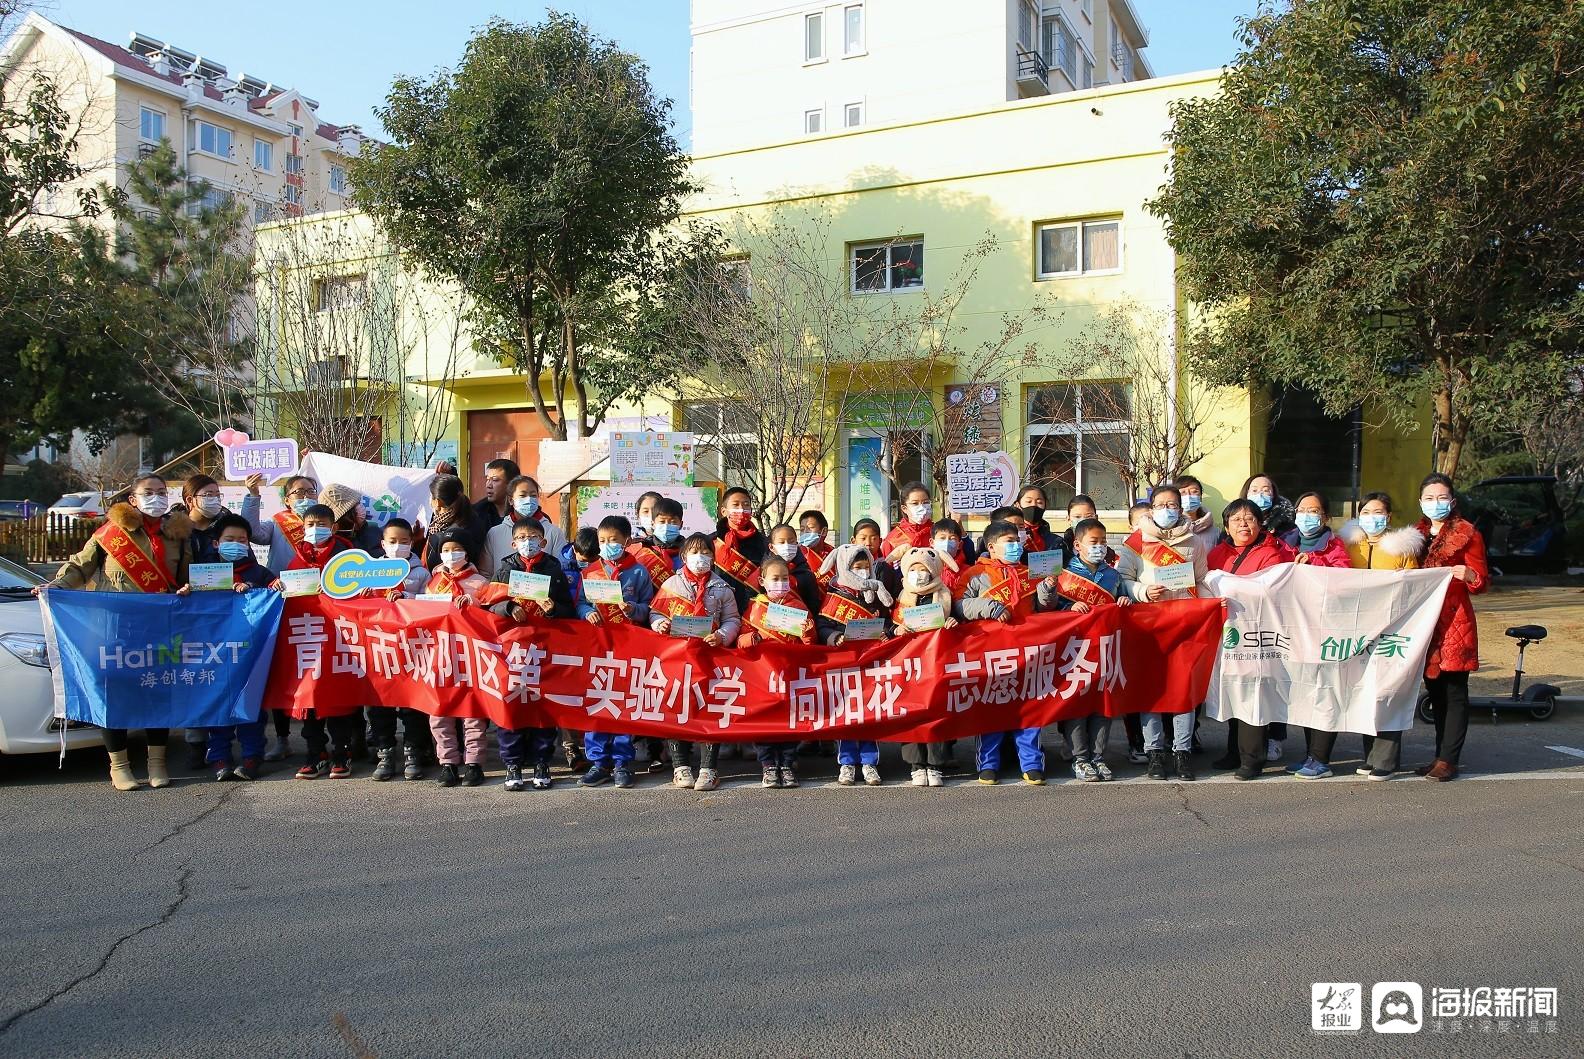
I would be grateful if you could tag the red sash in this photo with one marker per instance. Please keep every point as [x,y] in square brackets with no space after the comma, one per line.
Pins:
[730,561]
[292,526]
[843,609]
[655,562]
[673,605]
[1014,592]
[609,613]
[148,574]
[444,583]
[758,617]
[1080,589]
[1157,553]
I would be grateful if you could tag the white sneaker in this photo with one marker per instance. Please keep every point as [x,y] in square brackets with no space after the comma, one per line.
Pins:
[276,749]
[847,775]
[1273,750]
[682,777]
[937,778]
[708,780]
[871,775]
[921,777]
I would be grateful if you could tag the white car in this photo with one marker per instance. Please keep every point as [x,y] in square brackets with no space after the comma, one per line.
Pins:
[80,505]
[27,701]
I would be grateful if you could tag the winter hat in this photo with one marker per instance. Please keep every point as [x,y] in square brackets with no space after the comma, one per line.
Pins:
[841,560]
[340,499]
[934,591]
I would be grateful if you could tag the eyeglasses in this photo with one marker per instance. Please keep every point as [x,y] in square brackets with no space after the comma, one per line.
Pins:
[1166,507]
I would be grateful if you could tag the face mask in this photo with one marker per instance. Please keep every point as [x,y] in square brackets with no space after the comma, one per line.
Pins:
[862,572]
[787,550]
[583,564]
[1164,517]
[809,538]
[919,578]
[234,551]
[699,563]
[210,505]
[529,547]
[1035,510]
[1011,551]
[646,523]
[1374,525]
[1436,510]
[300,507]
[667,532]
[398,551]
[316,534]
[456,560]
[1192,502]
[526,506]
[1263,501]
[778,588]
[739,520]
[946,545]
[1095,553]
[1307,522]
[1022,536]
[918,513]
[152,506]
[610,551]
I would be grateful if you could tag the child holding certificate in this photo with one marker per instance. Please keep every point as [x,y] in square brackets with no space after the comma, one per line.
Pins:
[778,615]
[924,584]
[1087,584]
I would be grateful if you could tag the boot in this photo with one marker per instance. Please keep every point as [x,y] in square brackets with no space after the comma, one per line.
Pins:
[158,776]
[386,769]
[121,777]
[412,764]
[1157,765]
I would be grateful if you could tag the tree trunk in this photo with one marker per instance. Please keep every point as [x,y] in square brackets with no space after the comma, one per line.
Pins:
[1450,434]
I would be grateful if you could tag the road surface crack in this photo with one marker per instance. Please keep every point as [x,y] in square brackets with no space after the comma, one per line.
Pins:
[1553,860]
[198,818]
[1190,810]
[182,893]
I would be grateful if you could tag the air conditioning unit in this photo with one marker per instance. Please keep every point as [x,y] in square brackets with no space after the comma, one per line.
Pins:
[146,149]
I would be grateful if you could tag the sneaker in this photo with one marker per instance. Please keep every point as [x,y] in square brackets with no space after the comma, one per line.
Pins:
[708,780]
[847,775]
[1247,772]
[1184,763]
[340,770]
[936,777]
[223,772]
[1138,755]
[1305,763]
[514,779]
[541,778]
[987,777]
[596,776]
[1103,769]
[1273,750]
[623,776]
[771,778]
[1084,771]
[1313,770]
[276,749]
[386,769]
[921,777]
[788,777]
[1157,765]
[448,776]
[472,775]
[313,769]
[412,765]
[1377,774]
[1363,770]
[871,775]
[658,765]
[682,777]
[1034,778]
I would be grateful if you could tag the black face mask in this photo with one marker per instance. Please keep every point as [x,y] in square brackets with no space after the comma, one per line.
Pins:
[1034,514]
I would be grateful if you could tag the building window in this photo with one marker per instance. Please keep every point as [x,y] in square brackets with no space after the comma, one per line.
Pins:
[338,181]
[1087,7]
[1028,24]
[296,131]
[293,195]
[888,267]
[262,212]
[1080,441]
[151,125]
[1085,72]
[813,121]
[1059,47]
[264,155]
[1078,248]
[294,164]
[814,37]
[211,139]
[339,292]
[736,277]
[725,440]
[853,29]
[852,115]
[212,201]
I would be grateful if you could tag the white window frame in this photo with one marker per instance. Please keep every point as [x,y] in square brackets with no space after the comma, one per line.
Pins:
[1029,12]
[263,212]
[221,196]
[711,445]
[199,125]
[294,163]
[337,179]
[145,112]
[268,165]
[1053,59]
[847,109]
[890,246]
[296,130]
[814,121]
[334,293]
[1076,428]
[814,32]
[293,194]
[1087,7]
[1078,225]
[851,48]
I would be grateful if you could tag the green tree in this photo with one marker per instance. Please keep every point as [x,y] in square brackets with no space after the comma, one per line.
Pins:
[542,178]
[1385,204]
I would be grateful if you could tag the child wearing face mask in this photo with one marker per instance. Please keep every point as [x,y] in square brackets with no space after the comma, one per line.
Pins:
[530,556]
[576,555]
[854,595]
[1088,583]
[739,545]
[916,527]
[522,501]
[813,529]
[230,534]
[283,532]
[866,534]
[696,590]
[657,551]
[948,541]
[999,588]
[643,517]
[784,546]
[778,761]
[924,573]
[611,754]
[454,575]
[396,542]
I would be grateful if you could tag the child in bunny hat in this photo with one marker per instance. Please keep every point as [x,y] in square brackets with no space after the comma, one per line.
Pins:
[853,594]
[923,582]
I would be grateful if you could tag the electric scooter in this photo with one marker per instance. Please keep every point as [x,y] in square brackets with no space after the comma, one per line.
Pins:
[1538,699]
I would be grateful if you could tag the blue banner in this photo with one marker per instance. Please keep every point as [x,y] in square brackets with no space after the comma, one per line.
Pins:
[134,660]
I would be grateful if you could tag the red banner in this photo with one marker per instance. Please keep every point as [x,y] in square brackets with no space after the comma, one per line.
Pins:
[949,684]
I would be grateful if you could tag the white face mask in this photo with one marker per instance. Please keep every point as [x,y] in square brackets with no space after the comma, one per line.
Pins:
[152,506]
[919,578]
[862,573]
[398,551]
[918,513]
[778,588]
[787,551]
[210,505]
[699,562]
[528,547]
[454,559]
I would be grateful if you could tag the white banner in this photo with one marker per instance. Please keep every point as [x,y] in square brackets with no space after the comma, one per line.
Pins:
[1337,650]
[387,491]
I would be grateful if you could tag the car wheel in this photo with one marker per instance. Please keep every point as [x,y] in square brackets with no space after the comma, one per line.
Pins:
[1425,710]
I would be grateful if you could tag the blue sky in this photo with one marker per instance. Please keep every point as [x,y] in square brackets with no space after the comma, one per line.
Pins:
[345,54]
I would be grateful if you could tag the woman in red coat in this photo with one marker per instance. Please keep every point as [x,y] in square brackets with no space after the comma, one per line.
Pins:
[1454,647]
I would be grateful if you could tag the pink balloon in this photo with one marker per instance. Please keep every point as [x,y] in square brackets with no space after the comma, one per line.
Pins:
[225,438]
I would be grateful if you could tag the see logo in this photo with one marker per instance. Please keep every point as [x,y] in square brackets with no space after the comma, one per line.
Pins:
[1230,638]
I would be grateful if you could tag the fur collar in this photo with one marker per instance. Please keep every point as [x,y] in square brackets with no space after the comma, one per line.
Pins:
[1404,543]
[1456,534]
[175,526]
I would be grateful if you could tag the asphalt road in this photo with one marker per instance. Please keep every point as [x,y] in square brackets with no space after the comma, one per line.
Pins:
[348,918]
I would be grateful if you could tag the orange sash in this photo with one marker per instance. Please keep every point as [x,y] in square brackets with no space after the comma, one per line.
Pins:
[840,608]
[144,572]
[654,562]
[292,526]
[758,616]
[444,583]
[1080,589]
[1022,604]
[815,556]
[730,561]
[1157,553]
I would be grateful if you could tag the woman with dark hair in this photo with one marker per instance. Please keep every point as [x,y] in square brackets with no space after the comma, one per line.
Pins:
[1454,646]
[1275,511]
[452,515]
[1311,538]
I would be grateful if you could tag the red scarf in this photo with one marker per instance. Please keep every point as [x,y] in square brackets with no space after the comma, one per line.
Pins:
[152,527]
[908,534]
[734,535]
[699,582]
[309,554]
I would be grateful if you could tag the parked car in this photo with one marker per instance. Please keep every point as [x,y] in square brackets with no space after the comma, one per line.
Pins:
[27,721]
[80,505]
[17,510]
[1521,521]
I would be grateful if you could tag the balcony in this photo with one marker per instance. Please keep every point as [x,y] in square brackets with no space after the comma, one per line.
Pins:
[1033,75]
